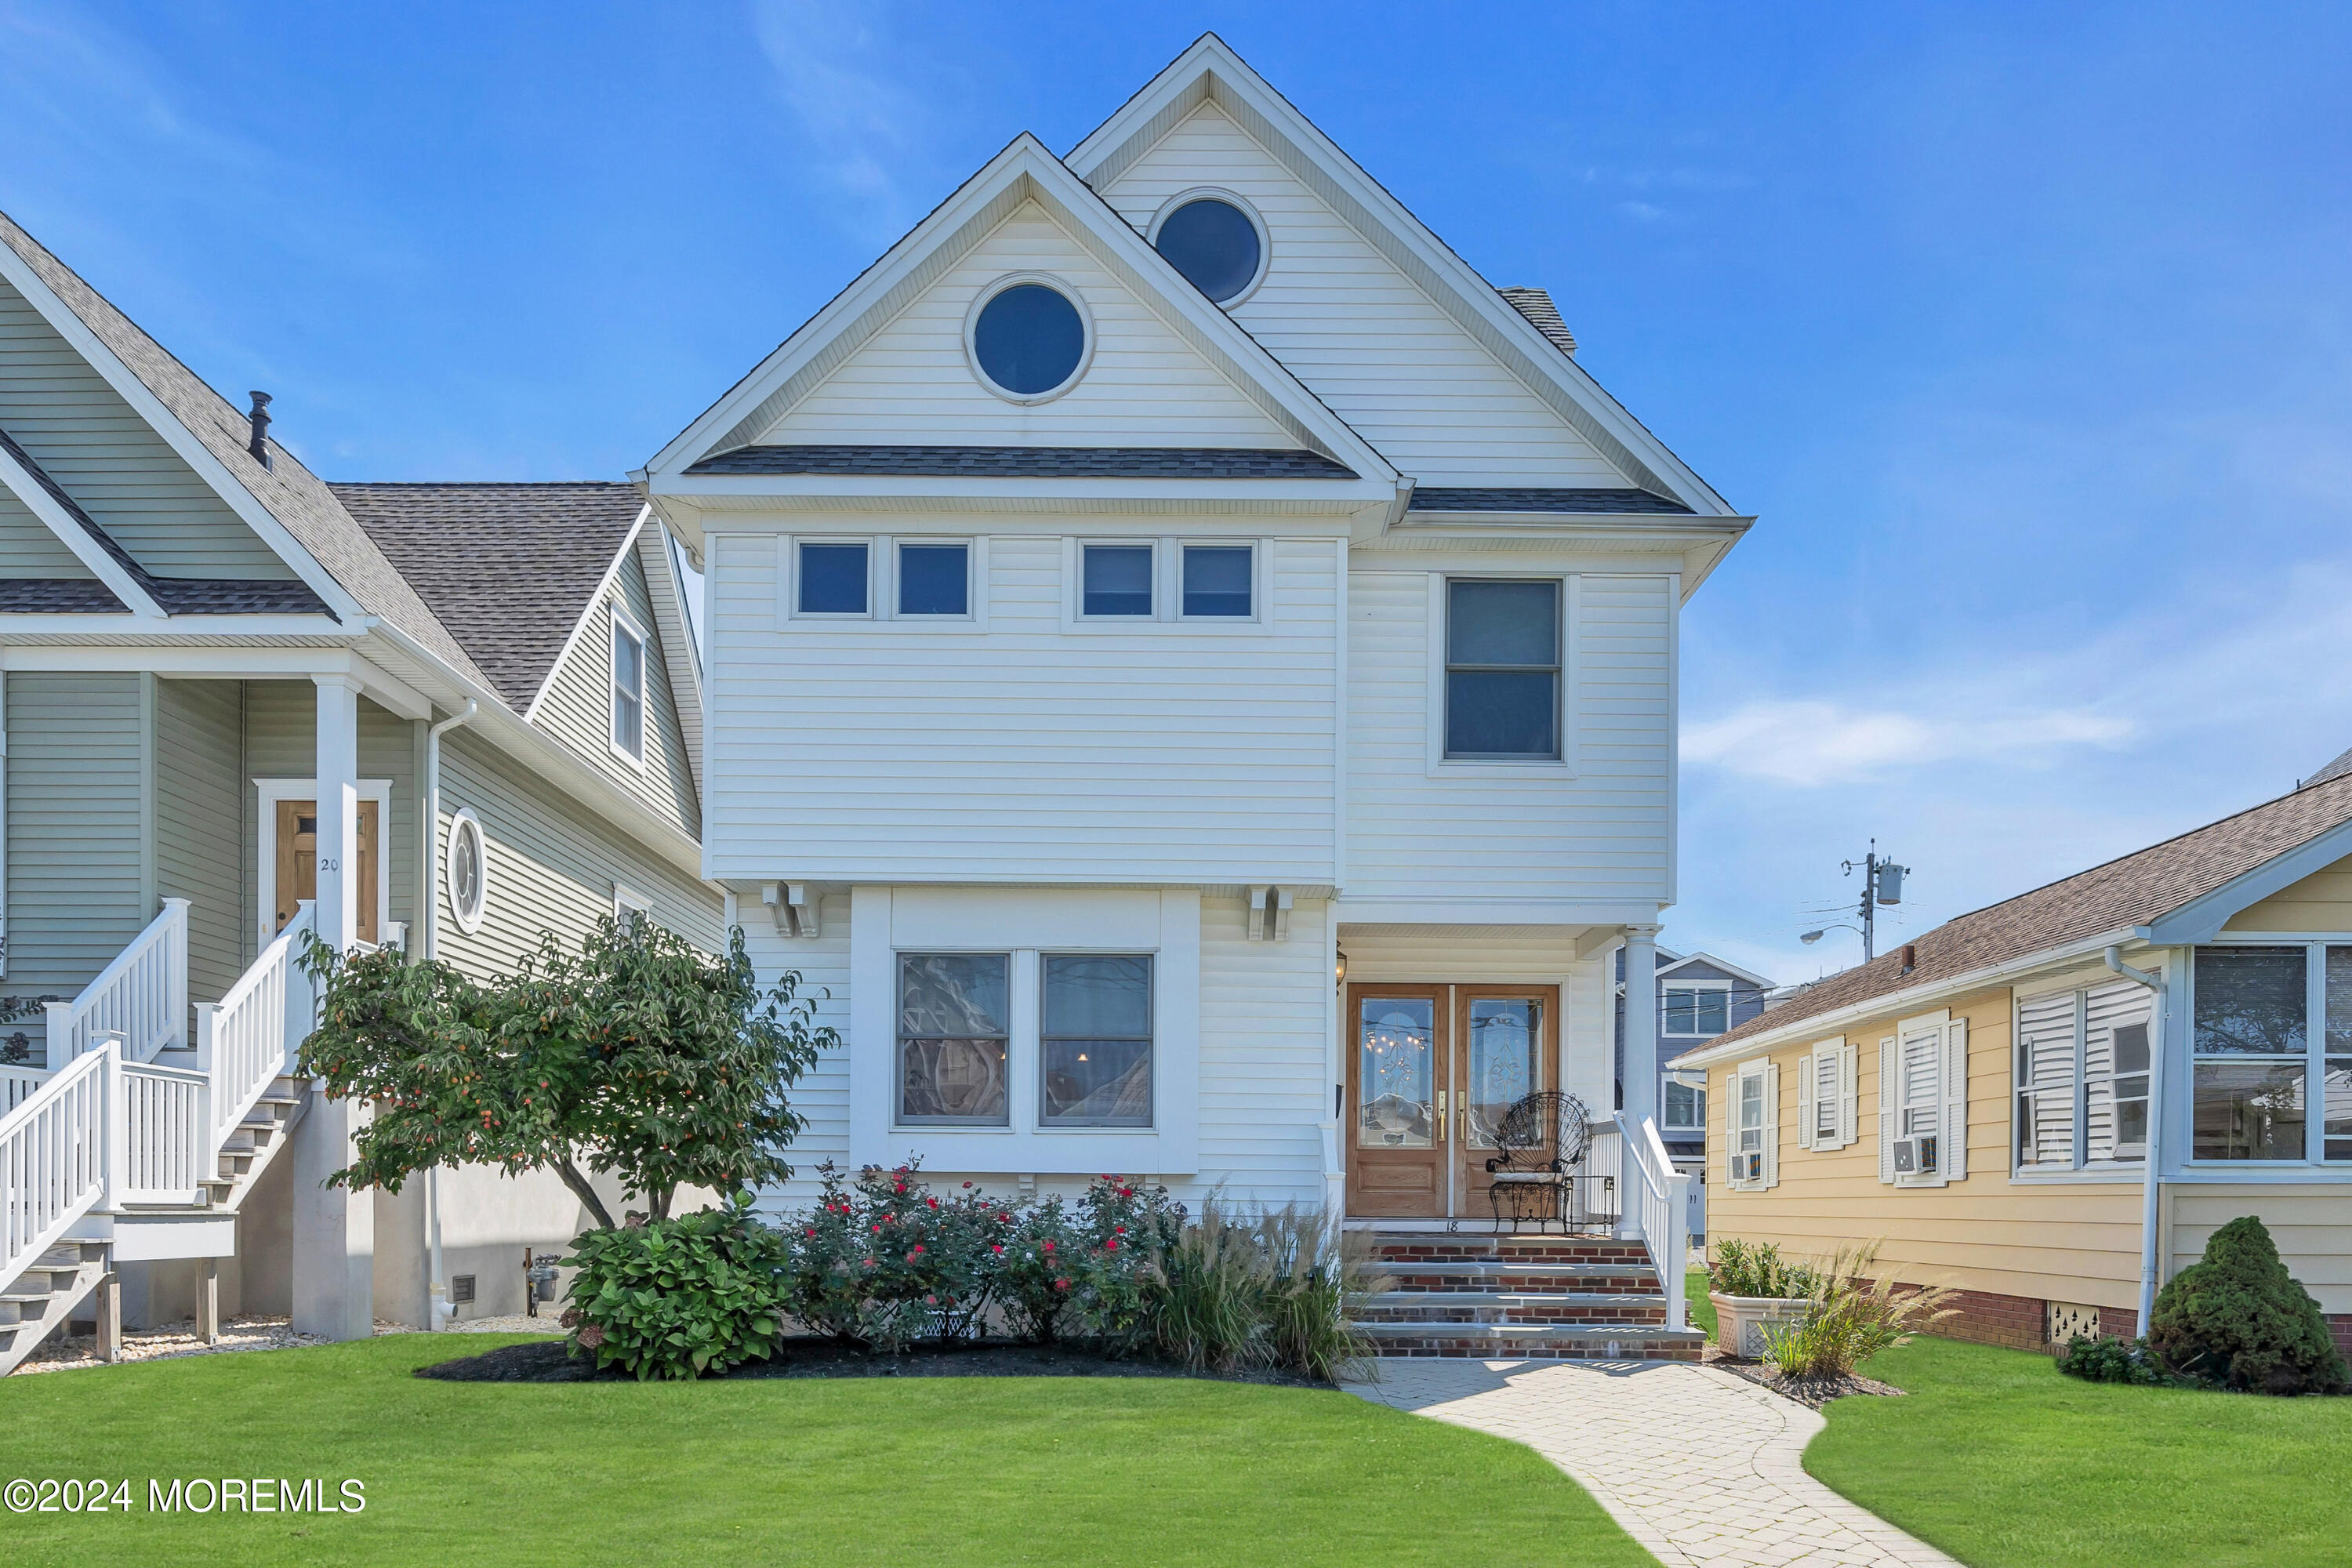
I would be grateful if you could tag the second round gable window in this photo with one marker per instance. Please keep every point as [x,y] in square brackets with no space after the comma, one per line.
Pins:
[1214,244]
[1029,340]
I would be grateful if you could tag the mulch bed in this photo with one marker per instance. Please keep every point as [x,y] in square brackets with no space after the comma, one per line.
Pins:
[551,1360]
[1811,1391]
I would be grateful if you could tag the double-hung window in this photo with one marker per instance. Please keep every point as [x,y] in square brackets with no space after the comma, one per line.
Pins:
[1095,1040]
[628,687]
[953,1032]
[1923,1102]
[1700,1010]
[1503,670]
[1682,1105]
[2253,1050]
[1754,1152]
[2081,1077]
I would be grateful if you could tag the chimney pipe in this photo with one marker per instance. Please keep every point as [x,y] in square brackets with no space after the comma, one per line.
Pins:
[260,443]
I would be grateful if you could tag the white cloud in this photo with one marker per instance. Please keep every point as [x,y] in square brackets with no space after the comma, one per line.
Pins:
[839,82]
[1811,744]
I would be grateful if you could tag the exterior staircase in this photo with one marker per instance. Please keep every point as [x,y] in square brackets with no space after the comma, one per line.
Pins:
[1503,1296]
[134,1145]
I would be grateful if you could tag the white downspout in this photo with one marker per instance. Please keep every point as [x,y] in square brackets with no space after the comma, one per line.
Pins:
[429,914]
[2150,1185]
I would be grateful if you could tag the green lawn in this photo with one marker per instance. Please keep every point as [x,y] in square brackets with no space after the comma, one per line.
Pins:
[839,1472]
[2005,1464]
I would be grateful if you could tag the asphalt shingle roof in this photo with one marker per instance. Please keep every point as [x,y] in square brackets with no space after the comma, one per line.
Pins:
[508,568]
[2135,890]
[1488,498]
[1536,305]
[297,498]
[1031,462]
[59,597]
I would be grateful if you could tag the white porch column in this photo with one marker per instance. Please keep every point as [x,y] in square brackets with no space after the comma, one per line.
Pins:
[334,1229]
[1641,1067]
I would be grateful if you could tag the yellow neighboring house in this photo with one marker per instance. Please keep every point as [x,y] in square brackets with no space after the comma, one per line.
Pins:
[2052,1102]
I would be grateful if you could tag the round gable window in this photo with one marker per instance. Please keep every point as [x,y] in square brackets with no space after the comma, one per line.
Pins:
[1215,243]
[468,863]
[1029,340]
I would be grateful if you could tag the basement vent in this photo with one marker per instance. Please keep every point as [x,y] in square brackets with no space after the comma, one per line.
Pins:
[2066,1321]
[461,1288]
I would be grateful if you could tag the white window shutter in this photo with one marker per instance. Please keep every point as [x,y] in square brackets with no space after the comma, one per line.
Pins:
[1771,1124]
[1953,1124]
[1804,1102]
[1887,1070]
[1849,1088]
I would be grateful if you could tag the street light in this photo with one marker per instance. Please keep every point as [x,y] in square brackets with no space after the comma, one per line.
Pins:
[1811,937]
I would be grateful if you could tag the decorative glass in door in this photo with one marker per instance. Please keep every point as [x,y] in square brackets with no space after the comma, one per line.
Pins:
[1397,1038]
[1504,1064]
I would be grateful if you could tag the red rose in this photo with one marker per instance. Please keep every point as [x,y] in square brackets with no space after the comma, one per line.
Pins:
[997,1247]
[1049,1247]
[1111,1245]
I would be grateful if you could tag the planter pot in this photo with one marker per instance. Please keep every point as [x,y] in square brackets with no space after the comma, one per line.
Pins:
[1739,1321]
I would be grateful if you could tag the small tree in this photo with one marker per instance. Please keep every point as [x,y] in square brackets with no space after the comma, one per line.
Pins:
[2237,1318]
[638,1055]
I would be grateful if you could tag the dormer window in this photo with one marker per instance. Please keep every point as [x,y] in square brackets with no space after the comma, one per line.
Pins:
[628,687]
[1215,243]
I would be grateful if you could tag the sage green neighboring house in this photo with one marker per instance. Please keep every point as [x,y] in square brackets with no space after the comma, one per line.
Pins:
[242,704]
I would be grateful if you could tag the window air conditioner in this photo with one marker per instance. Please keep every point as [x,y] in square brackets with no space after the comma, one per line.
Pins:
[1915,1156]
[1747,1167]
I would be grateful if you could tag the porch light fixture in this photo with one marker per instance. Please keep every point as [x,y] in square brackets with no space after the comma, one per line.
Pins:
[1339,975]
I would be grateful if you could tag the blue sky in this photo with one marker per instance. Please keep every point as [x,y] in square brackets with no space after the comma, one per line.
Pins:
[2026,331]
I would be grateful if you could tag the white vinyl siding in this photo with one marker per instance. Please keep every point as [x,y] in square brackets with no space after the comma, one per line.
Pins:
[576,707]
[551,867]
[1595,829]
[1144,386]
[1359,333]
[1018,752]
[125,475]
[30,548]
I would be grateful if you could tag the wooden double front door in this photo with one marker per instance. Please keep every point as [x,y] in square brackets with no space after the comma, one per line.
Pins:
[1431,1070]
[297,860]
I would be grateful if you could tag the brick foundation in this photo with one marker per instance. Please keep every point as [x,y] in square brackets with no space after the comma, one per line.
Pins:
[2021,1323]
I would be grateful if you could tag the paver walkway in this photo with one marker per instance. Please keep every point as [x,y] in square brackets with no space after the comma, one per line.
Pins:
[1699,1466]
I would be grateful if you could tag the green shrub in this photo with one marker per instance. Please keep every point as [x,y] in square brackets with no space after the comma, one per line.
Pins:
[678,1298]
[2236,1319]
[883,1262]
[1851,1317]
[1740,1268]
[2107,1358]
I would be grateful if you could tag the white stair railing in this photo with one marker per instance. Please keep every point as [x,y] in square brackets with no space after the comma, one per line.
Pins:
[1658,1204]
[55,1156]
[169,1146]
[250,1035]
[18,1085]
[142,997]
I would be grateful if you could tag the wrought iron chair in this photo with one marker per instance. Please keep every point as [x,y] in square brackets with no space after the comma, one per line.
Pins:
[1539,1142]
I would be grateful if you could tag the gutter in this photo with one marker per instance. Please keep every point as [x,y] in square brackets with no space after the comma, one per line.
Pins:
[439,1310]
[2150,1183]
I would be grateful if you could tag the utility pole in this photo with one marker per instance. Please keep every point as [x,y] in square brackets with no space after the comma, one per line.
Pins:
[1882,883]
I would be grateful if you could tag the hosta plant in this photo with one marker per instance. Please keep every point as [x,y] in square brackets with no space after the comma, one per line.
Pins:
[681,1298]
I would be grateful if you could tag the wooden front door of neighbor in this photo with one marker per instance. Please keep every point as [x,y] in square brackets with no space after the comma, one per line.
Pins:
[297,861]
[1431,1068]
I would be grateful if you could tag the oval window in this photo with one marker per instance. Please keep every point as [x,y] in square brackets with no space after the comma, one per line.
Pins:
[1029,340]
[468,870]
[1213,243]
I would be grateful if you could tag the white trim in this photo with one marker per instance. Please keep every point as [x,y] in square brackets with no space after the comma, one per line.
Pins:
[580,627]
[1695,985]
[1695,1082]
[1571,598]
[987,296]
[970,544]
[75,537]
[272,790]
[1240,203]
[463,819]
[626,902]
[1769,1142]
[2200,920]
[621,621]
[1257,582]
[1723,963]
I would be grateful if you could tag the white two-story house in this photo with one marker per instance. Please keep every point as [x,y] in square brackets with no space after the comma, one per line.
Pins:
[1192,675]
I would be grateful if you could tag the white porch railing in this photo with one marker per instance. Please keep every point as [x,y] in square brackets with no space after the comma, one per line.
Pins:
[169,1146]
[54,1156]
[250,1037]
[1658,1206]
[18,1084]
[141,996]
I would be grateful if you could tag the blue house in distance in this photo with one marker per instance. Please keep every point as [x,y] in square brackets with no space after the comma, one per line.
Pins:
[1699,997]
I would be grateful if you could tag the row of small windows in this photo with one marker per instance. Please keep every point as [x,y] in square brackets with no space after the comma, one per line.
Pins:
[1217,582]
[1029,339]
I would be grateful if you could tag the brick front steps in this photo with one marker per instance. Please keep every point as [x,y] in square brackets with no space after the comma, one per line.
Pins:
[1483,1295]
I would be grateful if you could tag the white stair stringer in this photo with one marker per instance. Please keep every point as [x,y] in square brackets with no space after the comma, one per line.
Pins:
[44,1296]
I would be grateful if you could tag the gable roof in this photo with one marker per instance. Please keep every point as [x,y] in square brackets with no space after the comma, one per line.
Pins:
[2132,893]
[465,547]
[1211,71]
[284,502]
[1023,172]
